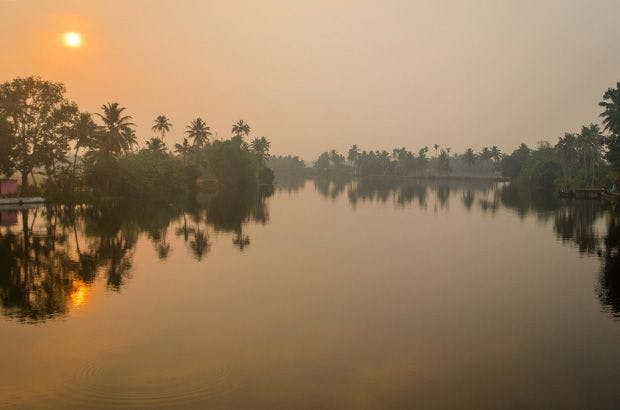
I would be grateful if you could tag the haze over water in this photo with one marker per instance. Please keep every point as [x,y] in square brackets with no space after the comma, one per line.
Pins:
[326,294]
[317,75]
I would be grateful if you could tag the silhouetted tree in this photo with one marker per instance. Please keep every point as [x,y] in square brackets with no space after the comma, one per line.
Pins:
[117,134]
[162,125]
[240,128]
[39,120]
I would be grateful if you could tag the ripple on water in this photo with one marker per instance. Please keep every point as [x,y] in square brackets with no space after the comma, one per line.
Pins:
[93,386]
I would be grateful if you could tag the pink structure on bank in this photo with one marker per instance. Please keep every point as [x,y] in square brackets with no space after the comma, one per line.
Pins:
[8,187]
[8,218]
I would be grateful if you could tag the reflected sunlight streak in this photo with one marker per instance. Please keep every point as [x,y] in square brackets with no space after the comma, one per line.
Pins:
[79,293]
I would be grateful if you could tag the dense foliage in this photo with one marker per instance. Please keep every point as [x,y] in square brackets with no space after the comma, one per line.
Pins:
[84,156]
[288,164]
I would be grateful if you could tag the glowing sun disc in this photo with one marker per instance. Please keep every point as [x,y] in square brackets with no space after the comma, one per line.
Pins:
[73,39]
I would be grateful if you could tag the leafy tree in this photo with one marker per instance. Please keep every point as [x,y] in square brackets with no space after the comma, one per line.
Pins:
[322,163]
[288,165]
[7,145]
[232,164]
[513,164]
[545,174]
[199,132]
[39,118]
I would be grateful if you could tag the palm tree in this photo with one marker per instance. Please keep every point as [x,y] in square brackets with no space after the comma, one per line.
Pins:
[240,240]
[591,141]
[200,244]
[183,149]
[240,128]
[353,154]
[436,147]
[117,135]
[469,157]
[261,147]
[611,115]
[84,131]
[495,153]
[199,131]
[156,145]
[485,154]
[611,120]
[162,125]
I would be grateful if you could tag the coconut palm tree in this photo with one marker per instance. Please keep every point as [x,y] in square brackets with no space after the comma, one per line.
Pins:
[117,135]
[495,153]
[84,131]
[353,154]
[611,121]
[261,147]
[200,244]
[240,240]
[485,154]
[240,128]
[591,141]
[469,157]
[162,125]
[611,115]
[156,145]
[199,132]
[183,149]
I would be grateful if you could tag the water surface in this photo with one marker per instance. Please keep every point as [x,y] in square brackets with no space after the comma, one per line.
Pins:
[324,294]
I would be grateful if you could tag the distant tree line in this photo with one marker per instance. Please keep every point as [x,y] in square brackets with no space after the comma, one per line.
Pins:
[589,158]
[287,165]
[80,154]
[402,162]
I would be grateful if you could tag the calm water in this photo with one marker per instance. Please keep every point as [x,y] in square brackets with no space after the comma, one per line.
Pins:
[322,295]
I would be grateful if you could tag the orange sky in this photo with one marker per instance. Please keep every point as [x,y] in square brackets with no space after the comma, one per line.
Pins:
[315,75]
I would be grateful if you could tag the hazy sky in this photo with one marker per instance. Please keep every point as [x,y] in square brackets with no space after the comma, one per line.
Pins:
[315,75]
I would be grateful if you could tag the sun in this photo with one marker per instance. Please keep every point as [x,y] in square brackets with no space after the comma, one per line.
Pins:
[73,39]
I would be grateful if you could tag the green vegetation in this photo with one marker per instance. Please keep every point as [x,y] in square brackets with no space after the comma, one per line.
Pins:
[589,158]
[577,160]
[83,156]
[402,162]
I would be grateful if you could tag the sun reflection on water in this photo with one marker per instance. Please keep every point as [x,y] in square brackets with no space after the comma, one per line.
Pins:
[79,293]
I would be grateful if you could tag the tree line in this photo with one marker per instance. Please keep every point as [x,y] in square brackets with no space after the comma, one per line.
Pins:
[588,158]
[83,154]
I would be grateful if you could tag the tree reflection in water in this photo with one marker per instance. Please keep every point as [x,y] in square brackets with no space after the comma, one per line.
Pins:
[592,226]
[51,256]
